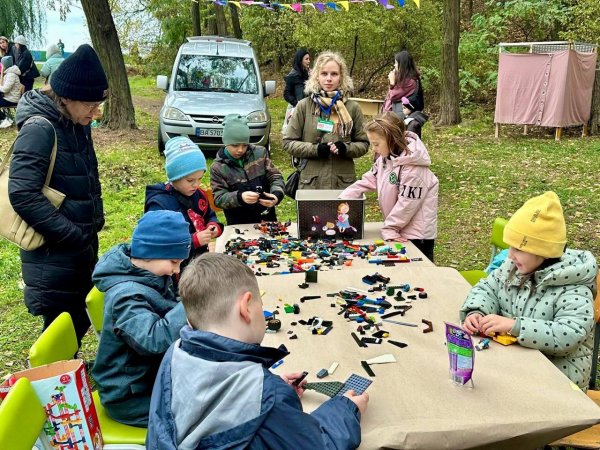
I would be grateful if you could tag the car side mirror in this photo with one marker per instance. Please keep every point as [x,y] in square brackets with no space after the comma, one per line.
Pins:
[269,87]
[162,82]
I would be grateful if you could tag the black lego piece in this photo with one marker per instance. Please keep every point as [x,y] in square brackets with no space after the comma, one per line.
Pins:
[367,368]
[392,314]
[357,340]
[398,343]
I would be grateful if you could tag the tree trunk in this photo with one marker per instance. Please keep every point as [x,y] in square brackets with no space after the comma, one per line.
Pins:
[221,20]
[450,93]
[197,29]
[118,112]
[211,25]
[354,53]
[595,116]
[235,21]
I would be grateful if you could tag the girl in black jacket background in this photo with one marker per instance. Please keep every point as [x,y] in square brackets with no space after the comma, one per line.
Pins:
[295,81]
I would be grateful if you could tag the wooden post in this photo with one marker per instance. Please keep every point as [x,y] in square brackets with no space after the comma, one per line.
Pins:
[585,131]
[558,133]
[497,130]
[525,130]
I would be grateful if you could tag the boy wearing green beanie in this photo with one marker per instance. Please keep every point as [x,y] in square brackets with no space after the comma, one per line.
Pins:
[244,181]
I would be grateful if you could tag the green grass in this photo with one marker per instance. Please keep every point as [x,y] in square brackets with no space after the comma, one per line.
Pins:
[480,178]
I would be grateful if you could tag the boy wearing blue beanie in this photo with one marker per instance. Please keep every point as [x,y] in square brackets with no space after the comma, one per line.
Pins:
[244,180]
[142,314]
[185,165]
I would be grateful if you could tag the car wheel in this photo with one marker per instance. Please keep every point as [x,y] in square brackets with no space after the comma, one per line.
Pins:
[161,144]
[268,147]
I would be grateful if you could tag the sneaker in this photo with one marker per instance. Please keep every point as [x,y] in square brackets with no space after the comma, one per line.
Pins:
[6,123]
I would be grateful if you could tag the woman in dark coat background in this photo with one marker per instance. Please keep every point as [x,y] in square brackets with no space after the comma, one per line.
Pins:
[295,81]
[58,275]
[22,57]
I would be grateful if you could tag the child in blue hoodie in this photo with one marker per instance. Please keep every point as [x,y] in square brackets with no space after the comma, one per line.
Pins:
[185,165]
[142,314]
[214,389]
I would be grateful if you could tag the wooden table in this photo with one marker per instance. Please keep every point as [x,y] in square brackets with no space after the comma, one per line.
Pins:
[371,234]
[519,400]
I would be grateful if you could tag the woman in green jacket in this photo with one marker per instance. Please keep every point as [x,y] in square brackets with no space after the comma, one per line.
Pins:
[543,294]
[326,129]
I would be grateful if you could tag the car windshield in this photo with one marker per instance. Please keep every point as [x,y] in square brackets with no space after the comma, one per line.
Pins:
[216,74]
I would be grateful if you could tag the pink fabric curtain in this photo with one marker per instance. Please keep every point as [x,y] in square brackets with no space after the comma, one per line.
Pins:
[547,89]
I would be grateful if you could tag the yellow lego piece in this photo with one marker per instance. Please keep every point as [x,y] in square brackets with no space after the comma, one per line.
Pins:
[379,242]
[504,339]
[296,254]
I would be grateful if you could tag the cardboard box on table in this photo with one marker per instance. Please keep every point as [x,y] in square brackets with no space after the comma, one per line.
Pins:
[64,391]
[321,214]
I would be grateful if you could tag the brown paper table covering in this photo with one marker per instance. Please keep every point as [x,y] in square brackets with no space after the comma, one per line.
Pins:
[519,401]
[372,232]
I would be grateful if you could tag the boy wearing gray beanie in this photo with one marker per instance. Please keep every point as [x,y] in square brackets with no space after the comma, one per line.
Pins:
[244,180]
[142,313]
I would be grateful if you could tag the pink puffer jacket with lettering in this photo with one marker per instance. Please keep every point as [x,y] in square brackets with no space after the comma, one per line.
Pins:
[407,191]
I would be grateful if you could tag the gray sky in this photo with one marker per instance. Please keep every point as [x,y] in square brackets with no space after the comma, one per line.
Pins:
[73,31]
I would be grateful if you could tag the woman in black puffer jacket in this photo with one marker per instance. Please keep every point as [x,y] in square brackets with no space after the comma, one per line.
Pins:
[58,275]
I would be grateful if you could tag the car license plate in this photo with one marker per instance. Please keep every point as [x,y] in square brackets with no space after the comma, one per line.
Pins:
[211,132]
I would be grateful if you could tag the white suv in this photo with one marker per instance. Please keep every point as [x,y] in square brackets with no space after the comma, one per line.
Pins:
[213,77]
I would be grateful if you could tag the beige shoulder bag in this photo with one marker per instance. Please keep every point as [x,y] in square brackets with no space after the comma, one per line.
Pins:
[12,227]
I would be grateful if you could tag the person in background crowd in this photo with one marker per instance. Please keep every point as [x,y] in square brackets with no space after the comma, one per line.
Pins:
[22,57]
[405,81]
[54,58]
[10,88]
[5,46]
[295,81]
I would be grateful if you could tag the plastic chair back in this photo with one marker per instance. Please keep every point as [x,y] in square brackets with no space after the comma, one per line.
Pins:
[211,199]
[473,276]
[22,417]
[496,239]
[94,305]
[58,342]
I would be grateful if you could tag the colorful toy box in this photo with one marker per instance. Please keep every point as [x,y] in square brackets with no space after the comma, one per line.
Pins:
[321,214]
[64,391]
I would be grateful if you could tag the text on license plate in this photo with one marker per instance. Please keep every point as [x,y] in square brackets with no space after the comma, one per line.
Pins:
[216,132]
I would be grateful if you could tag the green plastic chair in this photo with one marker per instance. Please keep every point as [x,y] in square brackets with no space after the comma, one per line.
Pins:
[496,239]
[473,276]
[58,342]
[22,417]
[94,303]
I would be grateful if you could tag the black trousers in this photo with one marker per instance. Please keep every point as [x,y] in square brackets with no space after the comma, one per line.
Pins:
[426,246]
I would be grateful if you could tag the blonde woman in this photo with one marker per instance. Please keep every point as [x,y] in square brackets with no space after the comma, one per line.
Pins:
[326,130]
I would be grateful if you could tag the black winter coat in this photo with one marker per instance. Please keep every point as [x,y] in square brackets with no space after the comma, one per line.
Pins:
[22,57]
[294,87]
[58,274]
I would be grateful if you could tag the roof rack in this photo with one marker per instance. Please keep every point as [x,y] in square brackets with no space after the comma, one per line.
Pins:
[218,39]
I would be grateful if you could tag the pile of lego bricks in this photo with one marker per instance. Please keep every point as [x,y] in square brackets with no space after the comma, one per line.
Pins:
[292,255]
[370,309]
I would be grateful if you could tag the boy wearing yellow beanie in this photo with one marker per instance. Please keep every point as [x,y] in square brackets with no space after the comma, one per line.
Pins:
[543,294]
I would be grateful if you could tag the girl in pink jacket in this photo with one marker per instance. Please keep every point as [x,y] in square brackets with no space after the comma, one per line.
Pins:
[406,188]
